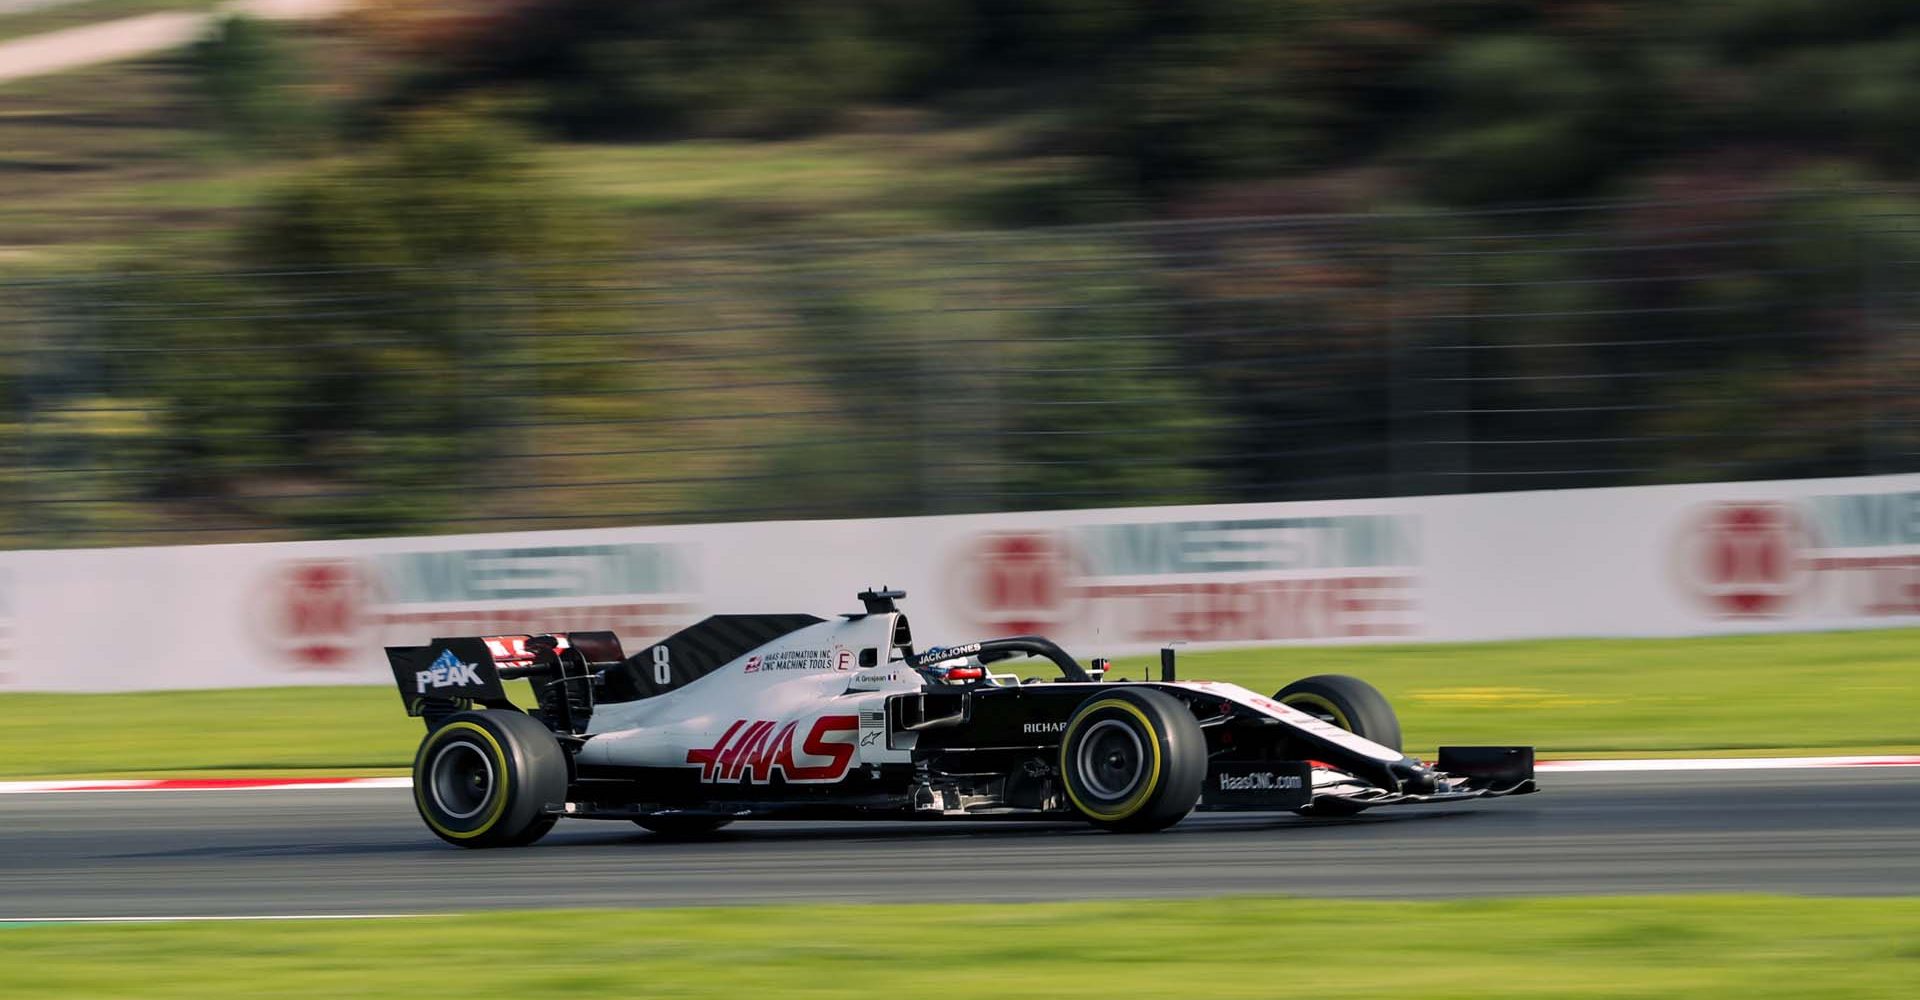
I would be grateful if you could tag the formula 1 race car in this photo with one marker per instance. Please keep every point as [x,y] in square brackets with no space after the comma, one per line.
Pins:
[795,717]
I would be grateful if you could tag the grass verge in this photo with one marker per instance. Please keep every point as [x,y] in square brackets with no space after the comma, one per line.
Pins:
[1830,692]
[1820,692]
[1747,947]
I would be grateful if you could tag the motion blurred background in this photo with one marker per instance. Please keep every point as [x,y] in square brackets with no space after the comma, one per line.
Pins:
[274,270]
[293,268]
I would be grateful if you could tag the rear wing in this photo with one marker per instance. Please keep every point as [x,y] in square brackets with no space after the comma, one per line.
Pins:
[449,675]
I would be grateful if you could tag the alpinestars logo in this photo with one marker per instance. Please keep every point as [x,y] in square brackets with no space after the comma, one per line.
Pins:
[1260,781]
[755,750]
[446,671]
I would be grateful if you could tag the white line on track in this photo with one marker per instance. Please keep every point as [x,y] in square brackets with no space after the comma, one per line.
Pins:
[197,785]
[1729,763]
[326,784]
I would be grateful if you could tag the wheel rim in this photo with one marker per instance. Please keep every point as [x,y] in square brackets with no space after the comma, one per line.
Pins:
[1320,709]
[460,779]
[1112,760]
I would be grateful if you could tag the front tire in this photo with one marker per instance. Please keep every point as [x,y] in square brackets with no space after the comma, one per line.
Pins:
[1347,702]
[489,779]
[1353,705]
[1133,760]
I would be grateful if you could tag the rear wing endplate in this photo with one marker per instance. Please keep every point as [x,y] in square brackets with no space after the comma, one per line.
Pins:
[446,675]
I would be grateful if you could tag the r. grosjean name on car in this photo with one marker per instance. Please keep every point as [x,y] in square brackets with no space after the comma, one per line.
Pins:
[1260,781]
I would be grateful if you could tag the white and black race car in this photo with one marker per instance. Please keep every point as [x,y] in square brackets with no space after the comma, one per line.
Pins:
[797,717]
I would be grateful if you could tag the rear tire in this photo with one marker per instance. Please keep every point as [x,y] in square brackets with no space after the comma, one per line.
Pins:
[683,827]
[489,779]
[1133,760]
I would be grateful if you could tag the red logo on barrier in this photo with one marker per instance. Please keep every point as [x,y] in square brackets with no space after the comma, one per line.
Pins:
[1016,583]
[314,612]
[1744,560]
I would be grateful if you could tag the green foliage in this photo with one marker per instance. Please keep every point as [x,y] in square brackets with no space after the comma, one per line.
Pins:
[254,87]
[1205,108]
[444,189]
[1482,101]
[1104,413]
[413,296]
[1754,27]
[749,68]
[346,381]
[1831,359]
[1519,118]
[862,454]
[1865,97]
[983,408]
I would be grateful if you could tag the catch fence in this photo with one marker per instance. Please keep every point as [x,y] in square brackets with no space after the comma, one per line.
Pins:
[1217,361]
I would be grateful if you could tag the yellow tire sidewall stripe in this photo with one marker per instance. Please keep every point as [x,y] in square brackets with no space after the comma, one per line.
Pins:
[500,761]
[1299,698]
[1139,799]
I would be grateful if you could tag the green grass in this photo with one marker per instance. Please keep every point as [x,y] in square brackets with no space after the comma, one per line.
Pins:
[1813,691]
[896,172]
[278,730]
[1745,947]
[1829,692]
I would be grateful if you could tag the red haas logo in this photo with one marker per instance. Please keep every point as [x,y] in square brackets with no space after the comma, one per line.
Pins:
[755,750]
[1743,560]
[1018,583]
[314,612]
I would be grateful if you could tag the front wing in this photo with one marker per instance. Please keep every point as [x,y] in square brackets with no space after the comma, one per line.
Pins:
[1462,773]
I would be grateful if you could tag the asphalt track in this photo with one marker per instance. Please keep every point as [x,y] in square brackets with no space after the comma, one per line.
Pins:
[119,854]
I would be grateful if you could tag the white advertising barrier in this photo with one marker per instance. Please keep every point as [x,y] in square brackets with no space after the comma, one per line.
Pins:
[1643,561]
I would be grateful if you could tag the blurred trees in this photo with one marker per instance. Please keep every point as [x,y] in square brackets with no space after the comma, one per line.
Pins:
[434,296]
[356,355]
[1473,102]
[255,89]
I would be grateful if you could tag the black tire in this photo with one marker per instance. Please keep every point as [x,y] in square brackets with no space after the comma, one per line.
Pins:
[1353,705]
[683,827]
[489,779]
[1133,760]
[540,828]
[1347,702]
